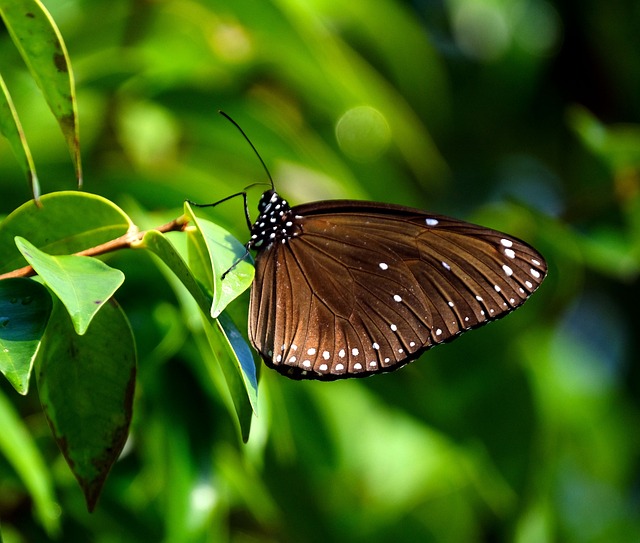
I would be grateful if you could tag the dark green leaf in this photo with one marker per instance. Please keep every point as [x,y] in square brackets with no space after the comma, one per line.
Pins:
[25,306]
[86,386]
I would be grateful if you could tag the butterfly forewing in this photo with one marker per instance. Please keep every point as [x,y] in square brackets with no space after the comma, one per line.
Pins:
[348,289]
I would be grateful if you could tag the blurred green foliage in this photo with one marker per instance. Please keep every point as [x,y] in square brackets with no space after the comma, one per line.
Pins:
[521,115]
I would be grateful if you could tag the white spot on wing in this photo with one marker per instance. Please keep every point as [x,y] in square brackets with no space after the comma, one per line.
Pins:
[311,351]
[383,266]
[357,366]
[446,266]
[339,367]
[341,353]
[506,242]
[397,298]
[431,222]
[326,355]
[393,327]
[510,253]
[323,367]
[355,352]
[507,270]
[535,273]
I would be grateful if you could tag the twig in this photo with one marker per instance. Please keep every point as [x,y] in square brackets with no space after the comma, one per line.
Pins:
[123,242]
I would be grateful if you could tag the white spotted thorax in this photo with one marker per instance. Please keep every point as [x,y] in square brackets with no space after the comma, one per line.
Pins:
[274,224]
[350,289]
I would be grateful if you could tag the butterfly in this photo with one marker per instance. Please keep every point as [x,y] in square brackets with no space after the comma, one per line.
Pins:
[348,288]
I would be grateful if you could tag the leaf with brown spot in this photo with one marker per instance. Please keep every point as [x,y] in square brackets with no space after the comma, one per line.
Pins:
[86,385]
[36,36]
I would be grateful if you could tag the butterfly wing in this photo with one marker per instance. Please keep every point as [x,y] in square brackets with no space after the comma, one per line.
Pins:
[365,288]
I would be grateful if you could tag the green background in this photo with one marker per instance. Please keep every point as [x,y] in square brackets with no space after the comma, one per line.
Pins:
[517,114]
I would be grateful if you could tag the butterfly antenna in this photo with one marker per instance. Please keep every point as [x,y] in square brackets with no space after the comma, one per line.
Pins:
[249,142]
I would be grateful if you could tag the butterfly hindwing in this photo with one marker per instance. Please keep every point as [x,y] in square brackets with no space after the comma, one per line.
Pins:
[361,288]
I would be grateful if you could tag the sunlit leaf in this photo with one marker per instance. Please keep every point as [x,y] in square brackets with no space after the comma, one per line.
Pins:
[225,254]
[11,128]
[17,445]
[158,244]
[82,283]
[66,223]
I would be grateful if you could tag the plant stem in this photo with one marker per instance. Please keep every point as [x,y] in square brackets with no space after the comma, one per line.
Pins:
[123,242]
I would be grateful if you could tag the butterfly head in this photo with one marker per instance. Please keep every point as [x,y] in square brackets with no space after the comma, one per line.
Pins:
[275,224]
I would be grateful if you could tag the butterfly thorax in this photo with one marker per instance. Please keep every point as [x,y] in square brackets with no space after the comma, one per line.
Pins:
[275,224]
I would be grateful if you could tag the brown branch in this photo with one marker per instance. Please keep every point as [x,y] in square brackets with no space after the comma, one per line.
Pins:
[123,242]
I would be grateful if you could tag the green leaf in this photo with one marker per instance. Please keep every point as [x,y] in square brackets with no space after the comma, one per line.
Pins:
[86,385]
[242,356]
[223,357]
[25,306]
[82,283]
[236,361]
[618,145]
[18,447]
[228,347]
[220,253]
[158,244]
[67,222]
[11,128]
[40,43]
